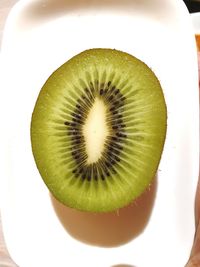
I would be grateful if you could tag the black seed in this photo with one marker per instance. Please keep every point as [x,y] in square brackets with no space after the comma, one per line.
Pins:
[77,121]
[76,175]
[75,132]
[83,109]
[74,153]
[121,135]
[102,177]
[117,159]
[119,95]
[115,112]
[78,160]
[105,91]
[114,171]
[78,116]
[122,125]
[112,109]
[117,91]
[107,164]
[113,151]
[112,143]
[111,154]
[110,148]
[110,98]
[109,83]
[101,92]
[67,123]
[115,138]
[120,140]
[112,162]
[119,116]
[73,124]
[116,102]
[76,142]
[76,156]
[115,127]
[123,98]
[78,106]
[74,171]
[95,172]
[76,138]
[78,151]
[121,103]
[73,114]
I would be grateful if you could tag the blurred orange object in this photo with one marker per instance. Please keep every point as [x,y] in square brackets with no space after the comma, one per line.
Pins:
[197,36]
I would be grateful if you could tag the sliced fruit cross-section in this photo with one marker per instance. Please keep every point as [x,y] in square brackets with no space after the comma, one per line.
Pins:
[98,130]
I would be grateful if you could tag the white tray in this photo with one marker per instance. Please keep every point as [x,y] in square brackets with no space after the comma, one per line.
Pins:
[158,229]
[196,22]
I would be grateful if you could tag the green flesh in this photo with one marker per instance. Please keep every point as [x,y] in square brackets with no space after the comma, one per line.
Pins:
[136,119]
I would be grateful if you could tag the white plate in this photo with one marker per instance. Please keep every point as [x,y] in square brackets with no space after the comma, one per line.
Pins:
[196,22]
[158,229]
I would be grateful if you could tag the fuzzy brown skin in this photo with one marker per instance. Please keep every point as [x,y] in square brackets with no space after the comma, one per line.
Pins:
[194,260]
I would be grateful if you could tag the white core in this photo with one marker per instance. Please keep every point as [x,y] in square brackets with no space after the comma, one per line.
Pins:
[95,131]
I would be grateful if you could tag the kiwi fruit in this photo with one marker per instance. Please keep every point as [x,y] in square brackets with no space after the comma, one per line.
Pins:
[98,129]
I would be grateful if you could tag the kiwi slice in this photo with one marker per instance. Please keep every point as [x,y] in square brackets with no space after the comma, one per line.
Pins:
[98,130]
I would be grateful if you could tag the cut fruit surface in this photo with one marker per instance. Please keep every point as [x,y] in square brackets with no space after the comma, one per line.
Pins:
[98,130]
[95,131]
